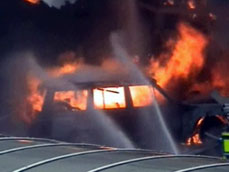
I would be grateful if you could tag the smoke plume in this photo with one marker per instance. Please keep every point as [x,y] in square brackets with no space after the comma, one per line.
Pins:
[58,3]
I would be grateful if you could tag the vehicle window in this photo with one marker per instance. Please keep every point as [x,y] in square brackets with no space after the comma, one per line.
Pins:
[72,99]
[141,95]
[109,98]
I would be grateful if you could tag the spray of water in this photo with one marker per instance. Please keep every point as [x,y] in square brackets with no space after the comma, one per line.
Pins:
[58,3]
[164,127]
[114,135]
[136,74]
[123,56]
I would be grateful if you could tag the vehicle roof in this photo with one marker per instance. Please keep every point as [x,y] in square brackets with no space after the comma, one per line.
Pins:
[95,84]
[36,155]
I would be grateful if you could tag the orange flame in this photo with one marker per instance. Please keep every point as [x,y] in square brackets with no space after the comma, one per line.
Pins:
[74,100]
[200,122]
[105,98]
[187,57]
[67,68]
[69,64]
[222,119]
[218,81]
[141,95]
[109,98]
[33,1]
[191,4]
[35,98]
[195,138]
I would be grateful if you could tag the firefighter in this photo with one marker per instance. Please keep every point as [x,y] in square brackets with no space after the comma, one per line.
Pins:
[225,141]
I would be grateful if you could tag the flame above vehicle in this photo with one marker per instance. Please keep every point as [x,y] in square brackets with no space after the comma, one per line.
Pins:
[33,1]
[64,69]
[191,4]
[217,80]
[187,57]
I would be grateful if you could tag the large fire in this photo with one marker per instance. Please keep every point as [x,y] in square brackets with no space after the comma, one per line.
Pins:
[187,57]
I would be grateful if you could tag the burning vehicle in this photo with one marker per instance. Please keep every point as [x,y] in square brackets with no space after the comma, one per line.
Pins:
[132,106]
[85,112]
[79,114]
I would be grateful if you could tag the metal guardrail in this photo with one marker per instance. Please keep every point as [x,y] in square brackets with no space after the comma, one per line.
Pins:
[97,149]
[203,167]
[40,163]
[102,168]
[45,145]
[58,158]
[29,138]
